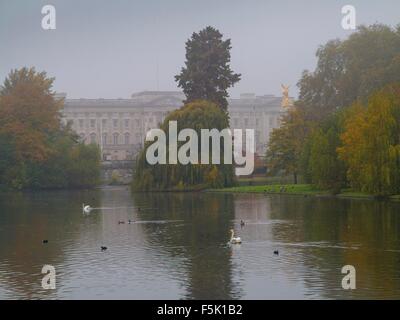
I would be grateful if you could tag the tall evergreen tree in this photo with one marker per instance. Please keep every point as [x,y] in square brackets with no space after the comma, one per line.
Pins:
[207,74]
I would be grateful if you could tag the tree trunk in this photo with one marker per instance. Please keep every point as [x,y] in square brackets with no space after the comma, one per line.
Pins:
[295,177]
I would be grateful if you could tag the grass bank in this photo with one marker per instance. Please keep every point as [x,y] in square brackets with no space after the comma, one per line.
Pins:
[299,189]
[265,180]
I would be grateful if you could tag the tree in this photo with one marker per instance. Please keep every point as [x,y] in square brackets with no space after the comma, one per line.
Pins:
[286,144]
[29,113]
[83,168]
[196,115]
[371,143]
[7,157]
[207,74]
[351,69]
[326,170]
[347,71]
[71,164]
[36,149]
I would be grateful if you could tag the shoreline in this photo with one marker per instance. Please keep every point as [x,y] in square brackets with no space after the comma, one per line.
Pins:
[305,190]
[302,190]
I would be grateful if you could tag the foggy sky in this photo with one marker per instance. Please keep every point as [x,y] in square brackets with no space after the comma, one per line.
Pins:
[111,49]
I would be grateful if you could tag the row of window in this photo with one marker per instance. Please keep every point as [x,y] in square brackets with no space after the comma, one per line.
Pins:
[127,122]
[115,138]
[127,138]
[115,123]
[104,122]
[246,122]
[114,114]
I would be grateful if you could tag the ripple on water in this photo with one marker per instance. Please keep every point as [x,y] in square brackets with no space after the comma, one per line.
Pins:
[181,249]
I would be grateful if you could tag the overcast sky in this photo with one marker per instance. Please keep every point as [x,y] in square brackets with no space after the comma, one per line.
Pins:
[111,49]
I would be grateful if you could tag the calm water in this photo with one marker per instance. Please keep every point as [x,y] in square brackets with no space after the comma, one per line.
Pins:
[177,248]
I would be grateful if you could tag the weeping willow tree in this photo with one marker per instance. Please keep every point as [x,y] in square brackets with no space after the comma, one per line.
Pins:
[371,143]
[196,115]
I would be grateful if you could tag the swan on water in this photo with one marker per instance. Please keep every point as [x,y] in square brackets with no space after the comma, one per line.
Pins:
[86,209]
[235,240]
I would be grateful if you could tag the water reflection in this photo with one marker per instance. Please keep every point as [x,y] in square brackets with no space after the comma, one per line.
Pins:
[25,221]
[177,246]
[200,237]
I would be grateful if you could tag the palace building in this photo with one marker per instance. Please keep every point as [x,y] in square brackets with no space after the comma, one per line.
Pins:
[119,126]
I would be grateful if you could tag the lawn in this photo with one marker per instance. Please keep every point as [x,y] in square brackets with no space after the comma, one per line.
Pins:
[299,189]
[302,189]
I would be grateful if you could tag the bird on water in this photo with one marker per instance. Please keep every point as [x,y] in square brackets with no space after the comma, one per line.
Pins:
[235,240]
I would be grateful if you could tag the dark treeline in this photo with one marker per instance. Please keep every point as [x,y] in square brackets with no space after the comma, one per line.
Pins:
[36,150]
[344,130]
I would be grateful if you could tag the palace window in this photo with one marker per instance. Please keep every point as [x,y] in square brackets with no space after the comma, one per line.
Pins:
[92,138]
[104,138]
[104,123]
[126,138]
[92,123]
[115,123]
[115,138]
[126,123]
[81,123]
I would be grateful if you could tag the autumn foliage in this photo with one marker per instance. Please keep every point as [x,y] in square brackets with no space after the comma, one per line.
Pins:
[344,130]
[371,143]
[36,149]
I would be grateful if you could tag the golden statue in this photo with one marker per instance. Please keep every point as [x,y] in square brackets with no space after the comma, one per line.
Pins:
[286,101]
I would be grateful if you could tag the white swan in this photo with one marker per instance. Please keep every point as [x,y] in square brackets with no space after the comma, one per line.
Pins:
[86,209]
[235,240]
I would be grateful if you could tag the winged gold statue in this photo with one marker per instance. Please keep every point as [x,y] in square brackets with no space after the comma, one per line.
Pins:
[286,100]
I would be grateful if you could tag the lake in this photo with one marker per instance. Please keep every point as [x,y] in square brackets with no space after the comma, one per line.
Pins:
[178,246]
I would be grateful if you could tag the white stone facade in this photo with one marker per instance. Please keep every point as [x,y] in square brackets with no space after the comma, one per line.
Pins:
[119,126]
